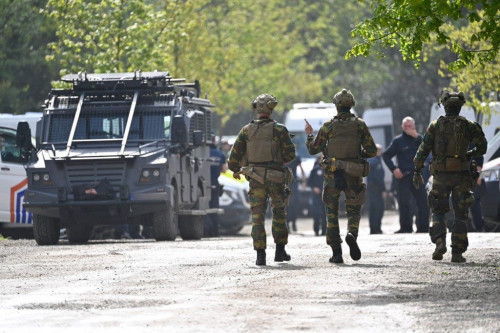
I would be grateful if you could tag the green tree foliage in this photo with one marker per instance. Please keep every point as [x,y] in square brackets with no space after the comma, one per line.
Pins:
[237,49]
[479,81]
[24,74]
[101,36]
[409,25]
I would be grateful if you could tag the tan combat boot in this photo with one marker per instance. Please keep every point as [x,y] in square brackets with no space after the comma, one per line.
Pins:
[440,249]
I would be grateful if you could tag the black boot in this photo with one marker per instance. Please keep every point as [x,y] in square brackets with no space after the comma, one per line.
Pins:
[440,249]
[337,256]
[456,256]
[355,252]
[281,254]
[261,258]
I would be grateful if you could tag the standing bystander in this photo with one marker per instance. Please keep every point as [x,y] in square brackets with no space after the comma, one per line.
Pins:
[218,165]
[293,208]
[375,187]
[404,147]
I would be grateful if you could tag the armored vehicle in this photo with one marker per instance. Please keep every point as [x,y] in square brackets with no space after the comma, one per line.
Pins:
[119,148]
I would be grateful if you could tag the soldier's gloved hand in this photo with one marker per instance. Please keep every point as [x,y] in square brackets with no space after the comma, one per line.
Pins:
[417,179]
[237,176]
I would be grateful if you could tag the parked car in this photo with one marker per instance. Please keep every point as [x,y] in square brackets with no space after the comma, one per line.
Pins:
[490,201]
[234,200]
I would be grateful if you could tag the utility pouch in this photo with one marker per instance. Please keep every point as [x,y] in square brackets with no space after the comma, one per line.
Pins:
[354,169]
[275,176]
[262,175]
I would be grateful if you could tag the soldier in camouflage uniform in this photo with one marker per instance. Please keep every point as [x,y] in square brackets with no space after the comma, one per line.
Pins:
[449,138]
[260,152]
[345,142]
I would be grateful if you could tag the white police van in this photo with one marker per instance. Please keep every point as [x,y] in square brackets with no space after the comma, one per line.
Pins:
[13,216]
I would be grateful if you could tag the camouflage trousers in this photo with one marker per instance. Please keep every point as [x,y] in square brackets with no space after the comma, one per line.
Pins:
[459,185]
[354,193]
[259,194]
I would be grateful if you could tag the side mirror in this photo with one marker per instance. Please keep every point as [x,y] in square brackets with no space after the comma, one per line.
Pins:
[197,138]
[179,132]
[23,136]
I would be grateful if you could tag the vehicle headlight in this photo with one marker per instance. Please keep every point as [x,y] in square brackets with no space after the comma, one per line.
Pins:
[42,178]
[150,176]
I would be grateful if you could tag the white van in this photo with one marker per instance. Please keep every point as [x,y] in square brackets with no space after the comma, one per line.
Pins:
[12,172]
[381,126]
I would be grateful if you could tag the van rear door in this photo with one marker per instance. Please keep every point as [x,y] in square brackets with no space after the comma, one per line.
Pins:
[13,180]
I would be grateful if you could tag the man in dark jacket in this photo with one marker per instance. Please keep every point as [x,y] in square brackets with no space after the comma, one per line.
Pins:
[376,190]
[404,147]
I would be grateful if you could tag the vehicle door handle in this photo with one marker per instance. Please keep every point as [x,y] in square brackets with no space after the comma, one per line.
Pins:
[5,169]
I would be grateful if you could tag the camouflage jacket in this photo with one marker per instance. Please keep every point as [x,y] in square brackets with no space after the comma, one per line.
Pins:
[477,139]
[319,144]
[281,135]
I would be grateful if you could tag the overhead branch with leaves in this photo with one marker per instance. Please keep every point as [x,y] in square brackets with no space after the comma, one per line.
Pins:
[410,24]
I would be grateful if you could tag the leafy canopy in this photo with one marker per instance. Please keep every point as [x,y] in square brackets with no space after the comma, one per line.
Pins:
[410,24]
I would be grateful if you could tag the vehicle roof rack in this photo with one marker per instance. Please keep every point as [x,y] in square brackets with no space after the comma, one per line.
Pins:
[128,81]
[136,75]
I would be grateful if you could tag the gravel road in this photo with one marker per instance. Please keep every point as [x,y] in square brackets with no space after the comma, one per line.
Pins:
[213,285]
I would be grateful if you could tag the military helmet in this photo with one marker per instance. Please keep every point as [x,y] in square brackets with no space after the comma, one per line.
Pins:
[264,103]
[451,98]
[344,98]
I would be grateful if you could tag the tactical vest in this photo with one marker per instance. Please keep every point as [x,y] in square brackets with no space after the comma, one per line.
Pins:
[261,148]
[451,143]
[345,142]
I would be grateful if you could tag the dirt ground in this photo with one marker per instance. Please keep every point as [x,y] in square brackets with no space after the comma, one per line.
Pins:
[213,285]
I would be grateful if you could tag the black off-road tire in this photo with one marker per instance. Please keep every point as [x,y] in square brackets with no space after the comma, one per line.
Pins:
[165,224]
[46,230]
[191,227]
[79,234]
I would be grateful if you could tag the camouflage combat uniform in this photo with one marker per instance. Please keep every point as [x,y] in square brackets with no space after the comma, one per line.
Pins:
[259,193]
[449,138]
[355,187]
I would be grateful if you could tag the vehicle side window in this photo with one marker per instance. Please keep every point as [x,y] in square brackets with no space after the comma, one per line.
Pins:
[9,152]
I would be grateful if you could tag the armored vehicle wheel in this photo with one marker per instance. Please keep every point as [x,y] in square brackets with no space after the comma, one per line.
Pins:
[191,227]
[45,229]
[79,234]
[165,224]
